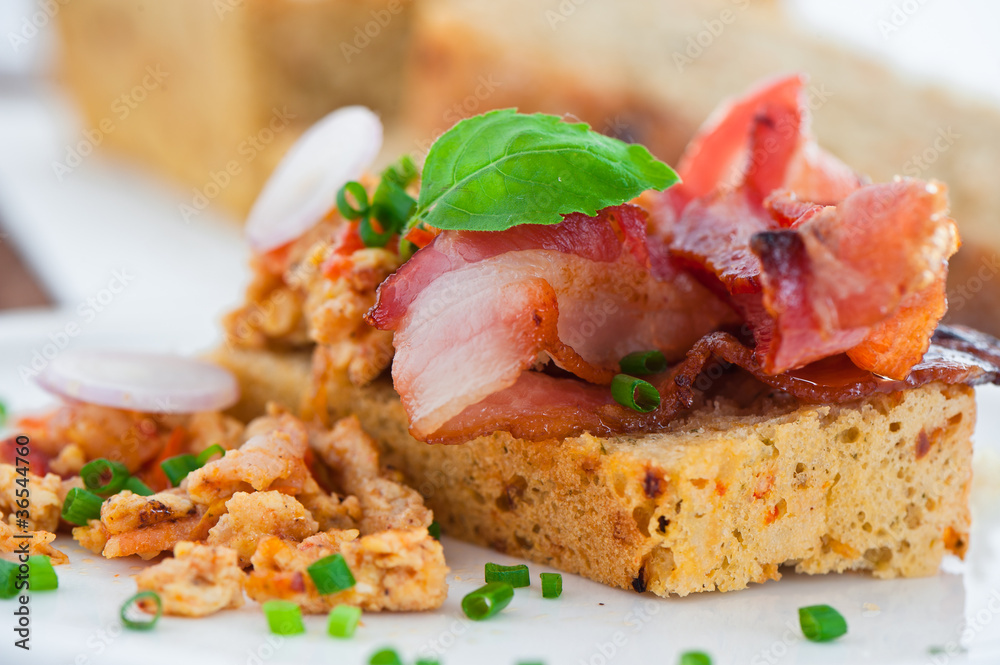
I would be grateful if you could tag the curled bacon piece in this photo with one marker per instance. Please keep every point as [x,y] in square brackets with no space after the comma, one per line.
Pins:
[817,262]
[474,311]
[540,407]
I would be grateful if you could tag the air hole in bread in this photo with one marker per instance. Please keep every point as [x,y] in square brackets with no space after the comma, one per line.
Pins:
[850,435]
[895,427]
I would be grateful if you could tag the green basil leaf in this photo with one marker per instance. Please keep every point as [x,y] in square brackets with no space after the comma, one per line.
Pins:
[503,168]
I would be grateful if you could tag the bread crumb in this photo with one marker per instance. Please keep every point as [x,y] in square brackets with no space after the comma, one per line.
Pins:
[871,610]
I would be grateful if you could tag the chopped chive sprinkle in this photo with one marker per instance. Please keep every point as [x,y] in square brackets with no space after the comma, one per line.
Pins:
[3,414]
[81,506]
[209,453]
[331,574]
[104,477]
[134,614]
[695,658]
[385,657]
[177,468]
[356,190]
[427,661]
[643,362]
[821,623]
[435,530]
[283,617]
[634,393]
[516,576]
[487,601]
[41,576]
[136,486]
[551,585]
[343,621]
[372,237]
[8,579]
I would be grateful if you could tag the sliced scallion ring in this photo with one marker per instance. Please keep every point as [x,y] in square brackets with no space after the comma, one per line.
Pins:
[104,477]
[207,454]
[134,612]
[357,191]
[331,574]
[551,585]
[178,467]
[516,576]
[385,657]
[81,506]
[136,486]
[634,393]
[41,575]
[343,621]
[487,601]
[821,623]
[283,617]
[8,579]
[644,362]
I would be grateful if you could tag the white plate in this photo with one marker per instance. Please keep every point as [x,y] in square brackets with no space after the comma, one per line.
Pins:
[591,624]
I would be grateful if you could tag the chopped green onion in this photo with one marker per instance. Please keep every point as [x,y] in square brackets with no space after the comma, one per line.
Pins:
[427,661]
[134,614]
[283,617]
[385,657]
[634,393]
[644,362]
[695,658]
[177,468]
[208,453]
[3,414]
[41,576]
[8,579]
[486,601]
[104,477]
[392,206]
[551,585]
[331,574]
[402,172]
[516,576]
[821,623]
[343,621]
[435,530]
[372,238]
[136,486]
[81,506]
[357,190]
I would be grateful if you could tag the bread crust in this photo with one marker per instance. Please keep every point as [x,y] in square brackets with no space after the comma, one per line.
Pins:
[722,499]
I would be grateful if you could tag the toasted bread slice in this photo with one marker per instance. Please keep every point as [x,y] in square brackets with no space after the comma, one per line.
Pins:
[722,499]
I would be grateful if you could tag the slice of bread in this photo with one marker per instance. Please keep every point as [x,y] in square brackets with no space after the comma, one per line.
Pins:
[722,499]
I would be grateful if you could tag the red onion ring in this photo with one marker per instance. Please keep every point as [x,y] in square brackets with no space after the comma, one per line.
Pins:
[151,383]
[304,187]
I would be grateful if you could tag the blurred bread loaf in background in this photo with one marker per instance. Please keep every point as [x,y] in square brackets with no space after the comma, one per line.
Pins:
[227,86]
[643,70]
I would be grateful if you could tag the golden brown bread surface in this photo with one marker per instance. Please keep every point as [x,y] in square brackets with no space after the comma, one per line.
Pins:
[719,501]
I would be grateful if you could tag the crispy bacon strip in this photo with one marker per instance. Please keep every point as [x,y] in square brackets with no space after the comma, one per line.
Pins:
[473,311]
[817,262]
[540,407]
